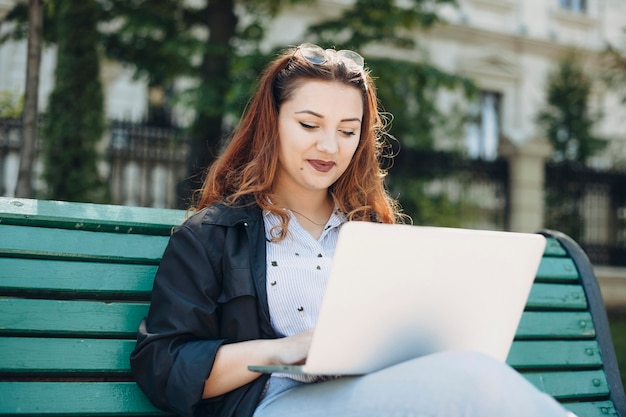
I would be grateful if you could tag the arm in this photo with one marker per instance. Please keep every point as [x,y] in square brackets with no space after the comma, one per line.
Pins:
[178,340]
[190,346]
[230,367]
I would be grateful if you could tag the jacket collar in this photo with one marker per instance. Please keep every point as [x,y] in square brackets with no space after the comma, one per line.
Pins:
[245,209]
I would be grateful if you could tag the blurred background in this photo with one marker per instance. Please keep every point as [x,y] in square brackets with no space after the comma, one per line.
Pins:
[503,114]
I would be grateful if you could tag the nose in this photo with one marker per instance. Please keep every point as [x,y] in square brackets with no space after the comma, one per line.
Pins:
[327,142]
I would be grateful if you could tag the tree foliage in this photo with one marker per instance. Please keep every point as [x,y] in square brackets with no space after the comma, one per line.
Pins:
[569,125]
[11,104]
[227,63]
[380,22]
[152,36]
[18,16]
[75,119]
[567,117]
[216,43]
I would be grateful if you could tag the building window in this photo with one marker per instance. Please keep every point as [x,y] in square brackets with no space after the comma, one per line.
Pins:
[577,6]
[484,130]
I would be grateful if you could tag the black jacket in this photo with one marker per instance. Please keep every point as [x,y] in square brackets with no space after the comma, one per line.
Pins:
[209,290]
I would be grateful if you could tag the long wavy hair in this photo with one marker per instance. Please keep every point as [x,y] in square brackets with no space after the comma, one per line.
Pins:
[249,163]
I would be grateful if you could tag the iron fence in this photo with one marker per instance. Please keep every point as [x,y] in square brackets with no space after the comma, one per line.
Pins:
[146,164]
[448,189]
[590,206]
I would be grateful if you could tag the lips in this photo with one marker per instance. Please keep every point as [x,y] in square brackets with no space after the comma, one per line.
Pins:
[321,166]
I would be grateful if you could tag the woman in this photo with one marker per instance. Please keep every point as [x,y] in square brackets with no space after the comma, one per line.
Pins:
[242,279]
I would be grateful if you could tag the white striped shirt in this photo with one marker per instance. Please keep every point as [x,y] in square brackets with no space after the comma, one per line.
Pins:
[297,271]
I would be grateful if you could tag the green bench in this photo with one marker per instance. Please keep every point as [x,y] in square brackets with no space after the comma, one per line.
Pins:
[75,281]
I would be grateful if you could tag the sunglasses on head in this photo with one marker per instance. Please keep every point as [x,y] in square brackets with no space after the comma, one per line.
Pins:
[317,55]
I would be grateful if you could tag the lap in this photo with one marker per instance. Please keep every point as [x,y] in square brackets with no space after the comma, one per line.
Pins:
[445,384]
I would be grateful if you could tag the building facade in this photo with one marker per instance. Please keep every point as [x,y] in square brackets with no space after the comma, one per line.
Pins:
[509,47]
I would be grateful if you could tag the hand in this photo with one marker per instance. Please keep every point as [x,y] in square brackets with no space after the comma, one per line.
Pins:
[230,368]
[292,349]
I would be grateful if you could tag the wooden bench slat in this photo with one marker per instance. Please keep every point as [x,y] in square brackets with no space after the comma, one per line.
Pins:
[61,355]
[556,296]
[570,354]
[92,277]
[122,318]
[592,408]
[87,216]
[111,355]
[79,318]
[88,399]
[553,248]
[19,241]
[557,268]
[555,325]
[571,385]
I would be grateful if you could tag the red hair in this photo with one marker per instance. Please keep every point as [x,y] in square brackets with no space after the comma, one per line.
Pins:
[249,163]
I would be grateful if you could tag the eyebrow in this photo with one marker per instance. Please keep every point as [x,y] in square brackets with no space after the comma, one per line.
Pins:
[311,112]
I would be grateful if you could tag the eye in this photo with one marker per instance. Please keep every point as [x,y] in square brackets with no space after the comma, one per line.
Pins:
[348,132]
[307,126]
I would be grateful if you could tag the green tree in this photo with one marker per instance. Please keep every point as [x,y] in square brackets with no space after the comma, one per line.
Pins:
[568,123]
[75,123]
[18,16]
[156,39]
[153,37]
[225,74]
[160,39]
[567,118]
[166,39]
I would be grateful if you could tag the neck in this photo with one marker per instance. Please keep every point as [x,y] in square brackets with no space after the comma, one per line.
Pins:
[306,202]
[315,209]
[312,206]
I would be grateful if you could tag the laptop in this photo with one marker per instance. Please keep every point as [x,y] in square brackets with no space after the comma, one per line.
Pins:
[397,292]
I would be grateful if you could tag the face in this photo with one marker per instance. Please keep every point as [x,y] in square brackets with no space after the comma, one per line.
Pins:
[319,129]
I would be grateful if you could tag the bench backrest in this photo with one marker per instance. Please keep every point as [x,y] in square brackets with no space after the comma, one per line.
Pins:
[75,281]
[563,344]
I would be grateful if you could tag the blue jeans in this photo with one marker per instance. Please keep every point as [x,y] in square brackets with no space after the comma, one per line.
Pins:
[449,384]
